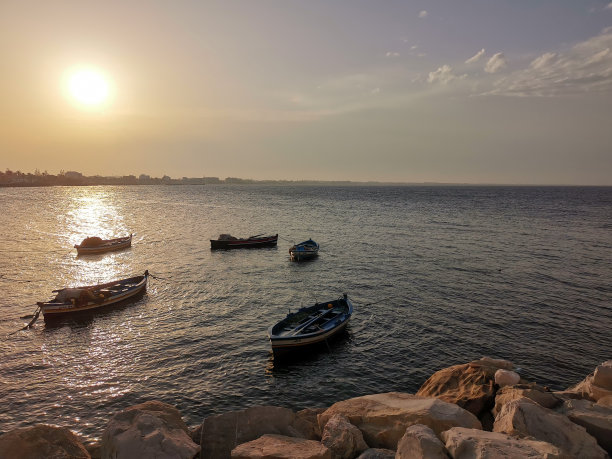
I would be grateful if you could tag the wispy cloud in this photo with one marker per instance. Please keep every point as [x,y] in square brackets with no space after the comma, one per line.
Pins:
[496,63]
[443,75]
[476,57]
[392,54]
[585,67]
[608,6]
[423,14]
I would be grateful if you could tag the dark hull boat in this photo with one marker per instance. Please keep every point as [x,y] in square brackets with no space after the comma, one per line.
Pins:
[306,250]
[227,241]
[75,301]
[94,245]
[310,326]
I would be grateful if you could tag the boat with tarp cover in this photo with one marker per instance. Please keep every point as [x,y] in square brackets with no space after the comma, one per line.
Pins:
[310,326]
[94,245]
[72,301]
[227,241]
[306,250]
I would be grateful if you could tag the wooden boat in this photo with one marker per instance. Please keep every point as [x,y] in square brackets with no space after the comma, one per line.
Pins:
[75,300]
[91,245]
[227,241]
[304,250]
[310,326]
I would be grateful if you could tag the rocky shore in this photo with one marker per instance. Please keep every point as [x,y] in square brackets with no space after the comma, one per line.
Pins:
[481,409]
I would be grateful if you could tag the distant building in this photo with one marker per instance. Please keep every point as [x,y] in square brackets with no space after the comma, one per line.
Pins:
[73,175]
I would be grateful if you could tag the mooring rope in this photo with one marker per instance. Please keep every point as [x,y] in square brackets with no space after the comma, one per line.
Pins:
[31,323]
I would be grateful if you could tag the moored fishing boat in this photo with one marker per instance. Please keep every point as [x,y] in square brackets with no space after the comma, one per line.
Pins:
[93,245]
[310,325]
[304,250]
[227,241]
[75,300]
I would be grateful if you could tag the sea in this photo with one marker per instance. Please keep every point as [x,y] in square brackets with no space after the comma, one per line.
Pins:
[438,275]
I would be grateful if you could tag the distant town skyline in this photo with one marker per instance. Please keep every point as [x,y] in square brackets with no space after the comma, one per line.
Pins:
[401,91]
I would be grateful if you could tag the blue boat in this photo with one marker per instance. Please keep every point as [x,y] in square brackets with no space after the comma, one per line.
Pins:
[310,326]
[304,250]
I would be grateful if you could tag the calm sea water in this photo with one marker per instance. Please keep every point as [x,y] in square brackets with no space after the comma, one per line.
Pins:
[438,275]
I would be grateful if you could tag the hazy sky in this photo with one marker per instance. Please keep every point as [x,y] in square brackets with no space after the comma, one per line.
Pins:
[478,91]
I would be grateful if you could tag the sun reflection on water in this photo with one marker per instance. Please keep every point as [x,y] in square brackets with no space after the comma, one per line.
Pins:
[93,211]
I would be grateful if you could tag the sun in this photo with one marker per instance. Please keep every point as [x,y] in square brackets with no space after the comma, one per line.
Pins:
[88,87]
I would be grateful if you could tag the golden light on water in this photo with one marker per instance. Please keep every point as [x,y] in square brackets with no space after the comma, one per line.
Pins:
[88,87]
[93,212]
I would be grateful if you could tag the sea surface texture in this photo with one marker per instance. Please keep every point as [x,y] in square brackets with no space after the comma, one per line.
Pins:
[438,276]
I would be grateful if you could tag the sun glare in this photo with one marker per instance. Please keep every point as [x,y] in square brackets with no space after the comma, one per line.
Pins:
[88,87]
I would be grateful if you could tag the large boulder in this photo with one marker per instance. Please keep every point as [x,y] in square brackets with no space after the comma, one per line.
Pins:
[41,442]
[470,385]
[595,418]
[377,453]
[420,442]
[384,418]
[597,385]
[151,429]
[464,443]
[280,447]
[525,418]
[541,395]
[344,440]
[222,433]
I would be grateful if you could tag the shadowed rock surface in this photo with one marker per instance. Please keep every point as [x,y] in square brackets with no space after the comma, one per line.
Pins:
[151,429]
[41,442]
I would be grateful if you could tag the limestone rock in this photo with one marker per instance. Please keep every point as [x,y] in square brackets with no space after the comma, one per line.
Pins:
[377,453]
[420,442]
[538,394]
[151,429]
[506,378]
[384,418]
[344,440]
[464,443]
[306,423]
[605,401]
[470,385]
[41,442]
[222,433]
[525,418]
[280,447]
[597,385]
[596,419]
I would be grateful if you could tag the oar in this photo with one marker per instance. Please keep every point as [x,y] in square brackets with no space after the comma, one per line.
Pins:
[304,325]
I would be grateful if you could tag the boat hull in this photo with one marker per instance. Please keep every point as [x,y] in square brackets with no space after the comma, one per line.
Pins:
[250,243]
[108,296]
[109,246]
[306,250]
[310,327]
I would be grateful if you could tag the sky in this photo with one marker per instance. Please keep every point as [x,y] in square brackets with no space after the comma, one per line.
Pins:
[476,91]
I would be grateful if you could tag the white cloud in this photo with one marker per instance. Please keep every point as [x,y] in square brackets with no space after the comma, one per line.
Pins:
[543,61]
[585,67]
[476,57]
[496,63]
[392,54]
[608,6]
[423,14]
[443,75]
